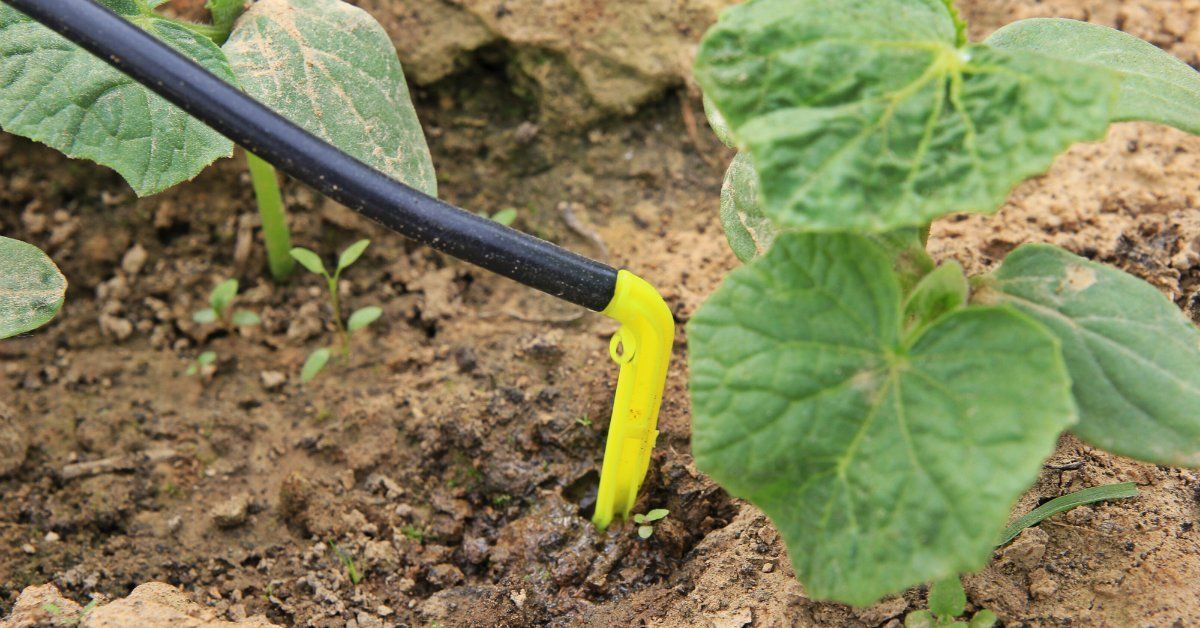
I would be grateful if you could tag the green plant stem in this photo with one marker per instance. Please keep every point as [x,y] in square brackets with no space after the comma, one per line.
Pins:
[1067,502]
[336,304]
[274,218]
[217,35]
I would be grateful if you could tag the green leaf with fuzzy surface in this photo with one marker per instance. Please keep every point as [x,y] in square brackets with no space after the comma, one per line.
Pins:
[54,92]
[225,12]
[941,291]
[947,599]
[1134,357]
[910,261]
[332,69]
[1155,86]
[868,124]
[748,231]
[886,459]
[31,287]
[717,123]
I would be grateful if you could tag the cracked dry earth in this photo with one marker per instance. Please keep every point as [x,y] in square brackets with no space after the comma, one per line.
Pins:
[454,457]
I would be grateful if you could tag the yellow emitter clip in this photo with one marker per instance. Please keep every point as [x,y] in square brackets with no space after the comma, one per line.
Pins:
[642,346]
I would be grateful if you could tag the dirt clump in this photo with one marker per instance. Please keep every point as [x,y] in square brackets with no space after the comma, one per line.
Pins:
[153,604]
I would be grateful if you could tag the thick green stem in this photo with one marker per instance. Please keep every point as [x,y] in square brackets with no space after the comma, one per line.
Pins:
[274,219]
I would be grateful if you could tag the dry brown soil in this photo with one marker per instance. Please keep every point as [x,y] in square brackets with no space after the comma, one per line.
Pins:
[453,458]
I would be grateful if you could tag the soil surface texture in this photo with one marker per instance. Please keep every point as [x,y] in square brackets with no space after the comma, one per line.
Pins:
[443,475]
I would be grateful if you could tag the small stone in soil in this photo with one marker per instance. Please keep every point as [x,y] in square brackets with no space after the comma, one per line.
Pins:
[272,380]
[134,260]
[231,513]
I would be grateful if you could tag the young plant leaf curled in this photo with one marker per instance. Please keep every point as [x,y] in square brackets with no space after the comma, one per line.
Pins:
[868,124]
[885,458]
[55,92]
[331,68]
[31,288]
[1155,86]
[749,232]
[1134,357]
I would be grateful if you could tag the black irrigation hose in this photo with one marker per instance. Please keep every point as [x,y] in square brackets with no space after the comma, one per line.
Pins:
[527,259]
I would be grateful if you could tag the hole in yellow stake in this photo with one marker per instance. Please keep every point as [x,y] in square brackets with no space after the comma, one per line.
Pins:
[642,346]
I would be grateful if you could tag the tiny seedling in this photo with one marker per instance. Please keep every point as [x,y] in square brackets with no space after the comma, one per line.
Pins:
[347,562]
[359,319]
[947,601]
[584,421]
[197,366]
[56,93]
[74,620]
[505,217]
[414,533]
[32,288]
[644,528]
[220,308]
[871,401]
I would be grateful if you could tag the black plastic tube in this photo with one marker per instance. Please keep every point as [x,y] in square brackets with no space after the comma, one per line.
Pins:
[488,244]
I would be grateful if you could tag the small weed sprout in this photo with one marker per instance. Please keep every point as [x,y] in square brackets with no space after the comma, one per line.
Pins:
[347,562]
[505,217]
[359,319]
[197,367]
[644,528]
[220,310]
[584,421]
[413,533]
[948,600]
[74,620]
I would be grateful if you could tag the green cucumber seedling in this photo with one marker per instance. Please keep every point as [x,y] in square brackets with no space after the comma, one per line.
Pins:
[32,288]
[359,319]
[220,308]
[886,412]
[203,366]
[948,600]
[645,530]
[324,64]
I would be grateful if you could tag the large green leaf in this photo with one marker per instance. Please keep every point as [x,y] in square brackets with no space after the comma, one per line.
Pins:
[885,459]
[1155,86]
[331,68]
[1134,358]
[54,92]
[749,232]
[868,115]
[31,287]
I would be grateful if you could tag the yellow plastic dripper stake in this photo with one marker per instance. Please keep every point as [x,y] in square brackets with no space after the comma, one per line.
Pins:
[642,346]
